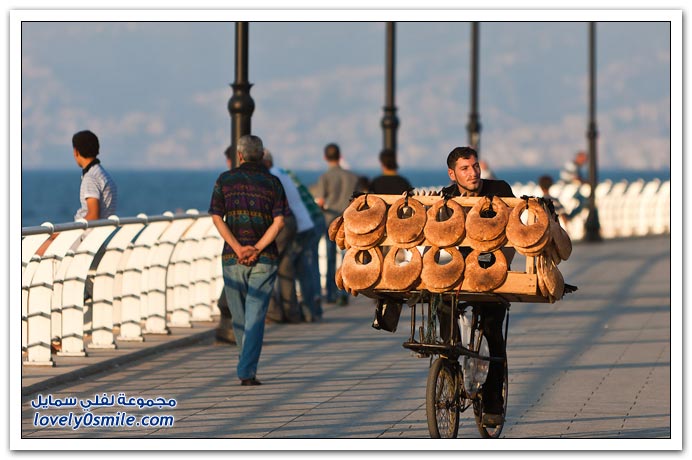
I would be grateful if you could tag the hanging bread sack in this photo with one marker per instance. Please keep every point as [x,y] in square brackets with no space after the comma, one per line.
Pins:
[446,224]
[487,219]
[441,277]
[361,269]
[405,222]
[528,235]
[364,214]
[367,240]
[399,274]
[481,279]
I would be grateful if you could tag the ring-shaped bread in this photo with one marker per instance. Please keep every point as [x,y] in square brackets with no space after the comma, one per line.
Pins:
[400,277]
[338,279]
[405,230]
[536,249]
[366,241]
[359,273]
[487,246]
[487,228]
[449,232]
[552,278]
[481,279]
[440,278]
[526,235]
[364,214]
[334,227]
[562,241]
[340,239]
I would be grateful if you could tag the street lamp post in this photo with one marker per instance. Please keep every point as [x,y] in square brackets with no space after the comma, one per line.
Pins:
[240,105]
[592,226]
[474,126]
[390,122]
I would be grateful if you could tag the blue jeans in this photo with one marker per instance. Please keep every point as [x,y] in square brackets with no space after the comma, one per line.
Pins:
[248,289]
[308,269]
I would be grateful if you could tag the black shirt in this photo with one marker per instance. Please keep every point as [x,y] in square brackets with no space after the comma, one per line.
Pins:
[488,187]
[390,185]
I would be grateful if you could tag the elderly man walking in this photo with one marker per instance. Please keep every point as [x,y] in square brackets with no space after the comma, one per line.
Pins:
[248,207]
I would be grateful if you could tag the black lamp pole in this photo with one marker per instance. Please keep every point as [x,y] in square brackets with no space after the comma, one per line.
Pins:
[592,226]
[241,106]
[474,126]
[390,122]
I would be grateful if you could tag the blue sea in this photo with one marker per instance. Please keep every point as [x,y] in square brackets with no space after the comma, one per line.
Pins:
[53,195]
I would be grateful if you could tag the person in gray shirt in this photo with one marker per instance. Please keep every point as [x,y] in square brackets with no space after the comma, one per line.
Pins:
[333,193]
[98,194]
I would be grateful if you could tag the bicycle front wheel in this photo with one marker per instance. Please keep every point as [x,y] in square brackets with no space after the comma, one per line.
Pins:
[442,399]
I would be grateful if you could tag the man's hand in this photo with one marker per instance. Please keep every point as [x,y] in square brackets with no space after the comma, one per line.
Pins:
[248,255]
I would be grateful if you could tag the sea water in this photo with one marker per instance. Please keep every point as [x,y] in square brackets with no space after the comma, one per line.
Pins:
[53,195]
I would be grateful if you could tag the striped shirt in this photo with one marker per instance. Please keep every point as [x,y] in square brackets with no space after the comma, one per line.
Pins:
[248,198]
[97,183]
[308,200]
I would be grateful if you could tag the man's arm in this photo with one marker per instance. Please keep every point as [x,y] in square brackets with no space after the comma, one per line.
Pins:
[93,209]
[271,233]
[243,252]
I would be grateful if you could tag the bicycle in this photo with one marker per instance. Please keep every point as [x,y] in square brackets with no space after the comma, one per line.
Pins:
[456,376]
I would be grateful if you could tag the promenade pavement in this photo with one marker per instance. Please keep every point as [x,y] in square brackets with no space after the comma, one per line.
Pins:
[595,365]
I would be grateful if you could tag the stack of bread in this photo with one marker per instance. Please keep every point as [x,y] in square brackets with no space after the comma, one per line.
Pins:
[382,244]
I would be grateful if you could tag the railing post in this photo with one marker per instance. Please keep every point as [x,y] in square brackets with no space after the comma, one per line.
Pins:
[390,122]
[241,105]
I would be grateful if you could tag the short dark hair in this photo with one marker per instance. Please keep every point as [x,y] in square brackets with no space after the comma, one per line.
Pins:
[86,143]
[229,152]
[545,182]
[460,152]
[388,159]
[332,152]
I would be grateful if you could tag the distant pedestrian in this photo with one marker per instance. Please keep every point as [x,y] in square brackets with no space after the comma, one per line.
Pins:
[333,193]
[545,182]
[390,182]
[572,170]
[224,330]
[571,173]
[284,306]
[309,262]
[98,194]
[248,207]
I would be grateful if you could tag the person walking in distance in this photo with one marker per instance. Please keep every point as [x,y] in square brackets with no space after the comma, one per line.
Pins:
[545,182]
[248,207]
[333,193]
[390,182]
[283,306]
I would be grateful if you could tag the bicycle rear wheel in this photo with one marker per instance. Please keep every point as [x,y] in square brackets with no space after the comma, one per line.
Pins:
[442,399]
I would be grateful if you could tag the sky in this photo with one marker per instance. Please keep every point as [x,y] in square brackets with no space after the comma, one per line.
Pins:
[156,92]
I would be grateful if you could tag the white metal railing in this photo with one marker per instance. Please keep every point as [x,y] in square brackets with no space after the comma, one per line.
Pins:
[152,273]
[148,274]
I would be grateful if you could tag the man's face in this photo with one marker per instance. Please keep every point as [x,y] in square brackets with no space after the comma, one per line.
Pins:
[466,174]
